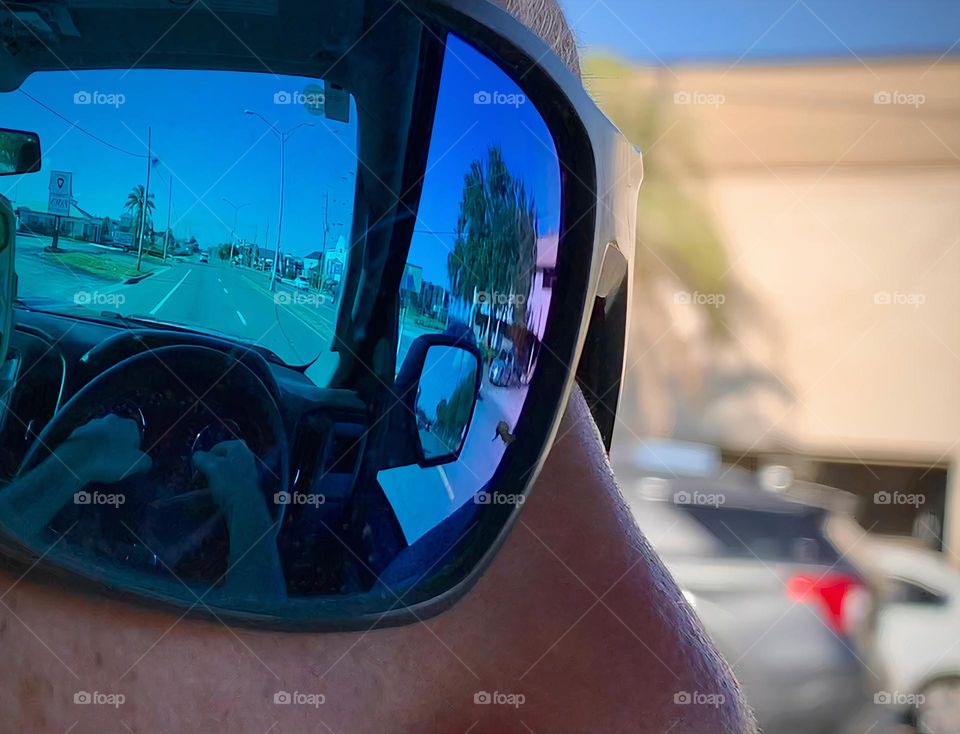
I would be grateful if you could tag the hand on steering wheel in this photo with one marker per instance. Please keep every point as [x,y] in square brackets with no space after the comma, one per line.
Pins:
[105,450]
[231,473]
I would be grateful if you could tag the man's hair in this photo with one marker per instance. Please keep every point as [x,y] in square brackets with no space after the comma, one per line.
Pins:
[546,19]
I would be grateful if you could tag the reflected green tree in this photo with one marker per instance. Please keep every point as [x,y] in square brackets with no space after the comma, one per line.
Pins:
[495,246]
[454,414]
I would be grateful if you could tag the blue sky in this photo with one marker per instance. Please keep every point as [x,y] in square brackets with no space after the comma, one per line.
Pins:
[673,31]
[215,151]
[201,134]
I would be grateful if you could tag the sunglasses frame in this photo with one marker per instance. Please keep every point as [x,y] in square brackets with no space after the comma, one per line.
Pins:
[587,327]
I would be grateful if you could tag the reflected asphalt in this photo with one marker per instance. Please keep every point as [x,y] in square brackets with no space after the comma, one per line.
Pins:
[235,301]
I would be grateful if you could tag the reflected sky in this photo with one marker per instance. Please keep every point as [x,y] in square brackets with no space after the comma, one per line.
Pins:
[201,138]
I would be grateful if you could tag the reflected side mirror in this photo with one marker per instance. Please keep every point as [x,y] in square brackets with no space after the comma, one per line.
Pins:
[436,394]
[19,152]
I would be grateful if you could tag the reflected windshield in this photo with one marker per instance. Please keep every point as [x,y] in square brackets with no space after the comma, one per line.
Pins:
[218,201]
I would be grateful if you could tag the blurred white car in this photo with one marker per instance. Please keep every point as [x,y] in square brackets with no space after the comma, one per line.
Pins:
[919,633]
[301,284]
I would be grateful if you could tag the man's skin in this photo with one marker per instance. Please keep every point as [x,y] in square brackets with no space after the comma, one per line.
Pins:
[576,615]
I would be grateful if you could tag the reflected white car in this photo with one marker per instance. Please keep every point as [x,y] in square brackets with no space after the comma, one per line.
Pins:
[919,633]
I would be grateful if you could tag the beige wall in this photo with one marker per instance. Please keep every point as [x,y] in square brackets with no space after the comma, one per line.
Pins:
[821,203]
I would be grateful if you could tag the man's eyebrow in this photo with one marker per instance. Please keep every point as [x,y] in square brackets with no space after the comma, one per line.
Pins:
[547,20]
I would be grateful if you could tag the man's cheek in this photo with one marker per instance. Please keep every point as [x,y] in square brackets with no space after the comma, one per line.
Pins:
[90,663]
[99,665]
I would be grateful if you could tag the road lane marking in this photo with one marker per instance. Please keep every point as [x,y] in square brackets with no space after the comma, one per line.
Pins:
[446,482]
[242,320]
[173,290]
[226,292]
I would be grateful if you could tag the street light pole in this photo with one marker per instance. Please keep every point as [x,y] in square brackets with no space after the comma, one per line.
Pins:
[283,137]
[233,233]
[276,259]
[166,234]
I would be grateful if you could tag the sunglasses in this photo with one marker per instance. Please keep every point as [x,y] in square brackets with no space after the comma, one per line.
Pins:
[300,295]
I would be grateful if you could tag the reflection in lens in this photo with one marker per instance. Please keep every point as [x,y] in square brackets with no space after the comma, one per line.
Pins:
[231,240]
[481,269]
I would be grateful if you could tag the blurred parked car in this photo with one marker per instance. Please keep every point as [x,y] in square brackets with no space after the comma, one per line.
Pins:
[204,257]
[301,284]
[791,614]
[919,634]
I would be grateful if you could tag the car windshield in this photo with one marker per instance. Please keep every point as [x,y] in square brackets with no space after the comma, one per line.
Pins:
[216,201]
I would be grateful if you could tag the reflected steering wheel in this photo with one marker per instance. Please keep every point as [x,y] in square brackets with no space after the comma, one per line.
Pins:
[184,398]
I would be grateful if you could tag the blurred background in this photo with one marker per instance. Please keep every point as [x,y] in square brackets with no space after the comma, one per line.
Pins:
[789,436]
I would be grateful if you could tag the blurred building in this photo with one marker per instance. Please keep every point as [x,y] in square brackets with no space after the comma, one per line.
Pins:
[797,273]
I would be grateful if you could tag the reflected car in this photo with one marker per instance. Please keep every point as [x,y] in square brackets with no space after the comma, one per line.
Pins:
[301,284]
[505,372]
[791,614]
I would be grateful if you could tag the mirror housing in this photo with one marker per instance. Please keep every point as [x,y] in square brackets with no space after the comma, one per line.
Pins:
[436,393]
[8,276]
[19,152]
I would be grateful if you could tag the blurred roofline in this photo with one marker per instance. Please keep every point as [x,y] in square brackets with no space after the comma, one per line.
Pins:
[776,59]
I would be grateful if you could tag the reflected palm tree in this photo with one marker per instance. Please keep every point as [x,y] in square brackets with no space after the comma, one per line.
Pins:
[136,201]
